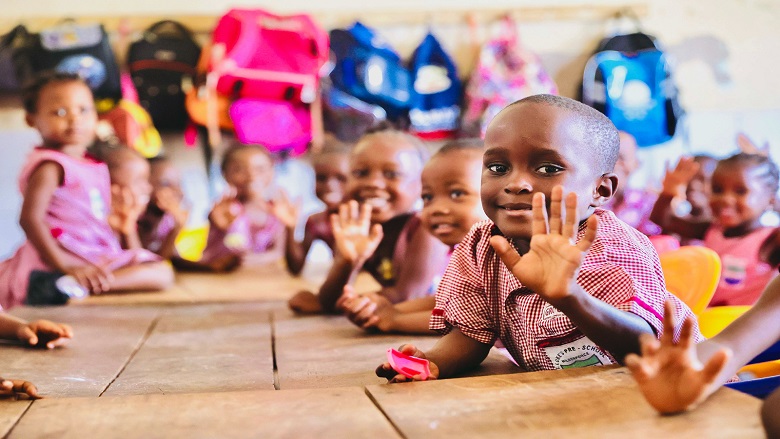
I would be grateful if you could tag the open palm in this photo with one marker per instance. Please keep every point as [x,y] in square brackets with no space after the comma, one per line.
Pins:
[356,239]
[670,374]
[553,261]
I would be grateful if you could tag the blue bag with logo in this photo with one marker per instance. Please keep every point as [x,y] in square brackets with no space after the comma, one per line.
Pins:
[369,69]
[436,91]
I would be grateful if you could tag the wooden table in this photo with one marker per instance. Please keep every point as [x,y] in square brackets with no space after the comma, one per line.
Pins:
[587,402]
[336,413]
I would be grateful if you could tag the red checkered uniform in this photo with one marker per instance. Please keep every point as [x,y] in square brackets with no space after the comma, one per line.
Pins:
[485,301]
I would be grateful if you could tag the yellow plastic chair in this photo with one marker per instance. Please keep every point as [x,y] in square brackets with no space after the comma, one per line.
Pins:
[692,274]
[191,242]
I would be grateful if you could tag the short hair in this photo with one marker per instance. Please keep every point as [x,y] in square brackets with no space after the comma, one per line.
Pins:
[707,163]
[236,147]
[601,134]
[32,90]
[470,144]
[769,174]
[417,145]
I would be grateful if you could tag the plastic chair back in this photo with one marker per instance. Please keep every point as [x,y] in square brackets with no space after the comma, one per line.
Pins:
[692,274]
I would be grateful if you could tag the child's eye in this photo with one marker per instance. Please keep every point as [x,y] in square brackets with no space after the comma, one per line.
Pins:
[61,112]
[716,189]
[321,178]
[549,169]
[392,175]
[426,198]
[359,173]
[497,168]
[457,193]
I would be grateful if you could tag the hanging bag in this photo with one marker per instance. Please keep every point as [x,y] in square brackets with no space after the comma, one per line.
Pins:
[435,105]
[10,43]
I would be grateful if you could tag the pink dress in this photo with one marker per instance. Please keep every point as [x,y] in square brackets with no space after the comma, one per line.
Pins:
[153,229]
[245,235]
[77,217]
[743,275]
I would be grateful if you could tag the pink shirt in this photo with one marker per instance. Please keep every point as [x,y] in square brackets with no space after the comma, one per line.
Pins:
[743,275]
[485,301]
[635,210]
[318,227]
[245,235]
[77,217]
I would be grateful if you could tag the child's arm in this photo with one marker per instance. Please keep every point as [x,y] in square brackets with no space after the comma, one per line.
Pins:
[770,249]
[294,252]
[17,388]
[373,311]
[453,354]
[37,333]
[675,377]
[674,184]
[356,240]
[37,197]
[770,414]
[550,269]
[168,202]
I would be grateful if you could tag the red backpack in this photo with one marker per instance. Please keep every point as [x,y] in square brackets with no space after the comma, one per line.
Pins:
[268,68]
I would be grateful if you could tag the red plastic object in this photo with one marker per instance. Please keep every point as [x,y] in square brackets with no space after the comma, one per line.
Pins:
[408,365]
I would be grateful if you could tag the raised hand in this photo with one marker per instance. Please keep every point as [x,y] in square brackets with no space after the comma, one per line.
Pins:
[126,207]
[285,210]
[386,371]
[356,239]
[551,265]
[225,211]
[677,179]
[44,333]
[669,374]
[169,202]
[18,389]
[368,311]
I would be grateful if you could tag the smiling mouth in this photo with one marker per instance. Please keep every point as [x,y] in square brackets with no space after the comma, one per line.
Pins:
[376,202]
[442,229]
[332,197]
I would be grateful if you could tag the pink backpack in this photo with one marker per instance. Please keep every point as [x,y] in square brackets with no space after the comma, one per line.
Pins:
[269,66]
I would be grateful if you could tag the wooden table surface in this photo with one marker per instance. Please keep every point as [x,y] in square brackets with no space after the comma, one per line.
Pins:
[312,413]
[586,402]
[204,360]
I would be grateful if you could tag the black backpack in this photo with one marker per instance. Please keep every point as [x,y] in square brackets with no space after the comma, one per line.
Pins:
[159,64]
[631,44]
[69,47]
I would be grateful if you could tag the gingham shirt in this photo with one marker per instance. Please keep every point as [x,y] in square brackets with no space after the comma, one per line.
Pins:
[485,301]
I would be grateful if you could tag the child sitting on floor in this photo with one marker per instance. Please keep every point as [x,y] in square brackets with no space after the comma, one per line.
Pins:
[165,215]
[587,284]
[675,377]
[331,168]
[451,206]
[743,187]
[242,224]
[65,212]
[378,229]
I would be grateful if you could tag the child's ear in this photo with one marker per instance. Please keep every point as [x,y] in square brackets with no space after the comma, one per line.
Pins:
[605,189]
[30,119]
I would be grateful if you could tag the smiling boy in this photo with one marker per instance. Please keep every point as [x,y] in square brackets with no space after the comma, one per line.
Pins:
[587,284]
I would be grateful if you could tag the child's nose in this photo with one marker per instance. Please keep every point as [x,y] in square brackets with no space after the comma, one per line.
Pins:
[376,179]
[440,207]
[518,183]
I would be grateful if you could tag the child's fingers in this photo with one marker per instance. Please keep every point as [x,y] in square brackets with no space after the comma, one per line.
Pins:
[686,334]
[591,227]
[505,251]
[354,211]
[371,322]
[648,345]
[28,335]
[556,213]
[639,369]
[670,321]
[335,224]
[539,215]
[26,387]
[344,214]
[57,342]
[572,217]
[715,365]
[365,217]
[386,371]
[376,233]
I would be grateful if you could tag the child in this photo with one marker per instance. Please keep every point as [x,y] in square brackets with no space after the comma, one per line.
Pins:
[378,229]
[165,215]
[130,190]
[675,377]
[66,208]
[451,206]
[559,305]
[242,224]
[632,206]
[743,188]
[331,167]
[697,195]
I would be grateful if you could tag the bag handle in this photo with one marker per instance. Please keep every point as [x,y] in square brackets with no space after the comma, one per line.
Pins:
[173,26]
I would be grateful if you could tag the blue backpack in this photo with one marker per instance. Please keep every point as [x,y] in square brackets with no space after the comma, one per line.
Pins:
[370,70]
[629,80]
[434,111]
